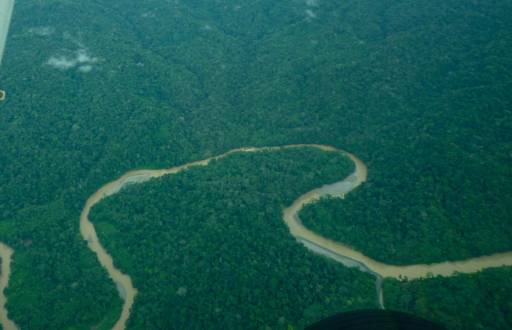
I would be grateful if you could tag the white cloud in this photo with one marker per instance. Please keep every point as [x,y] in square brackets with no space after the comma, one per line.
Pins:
[61,62]
[81,58]
[85,68]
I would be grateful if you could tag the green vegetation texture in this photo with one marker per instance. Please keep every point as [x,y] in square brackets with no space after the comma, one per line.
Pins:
[207,248]
[418,89]
[473,302]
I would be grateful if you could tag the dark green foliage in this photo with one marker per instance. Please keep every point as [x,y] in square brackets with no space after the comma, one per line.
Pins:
[463,302]
[420,90]
[208,248]
[52,268]
[439,165]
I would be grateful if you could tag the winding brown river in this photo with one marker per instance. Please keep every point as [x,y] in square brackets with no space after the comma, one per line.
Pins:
[316,243]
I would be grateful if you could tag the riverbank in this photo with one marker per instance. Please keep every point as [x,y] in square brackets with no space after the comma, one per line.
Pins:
[290,216]
[314,242]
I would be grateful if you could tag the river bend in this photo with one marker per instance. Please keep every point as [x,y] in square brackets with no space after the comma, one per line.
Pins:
[314,242]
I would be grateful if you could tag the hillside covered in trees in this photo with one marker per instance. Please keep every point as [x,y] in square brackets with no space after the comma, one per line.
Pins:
[419,90]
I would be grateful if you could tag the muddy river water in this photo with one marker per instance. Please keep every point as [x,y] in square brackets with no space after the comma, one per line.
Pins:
[314,242]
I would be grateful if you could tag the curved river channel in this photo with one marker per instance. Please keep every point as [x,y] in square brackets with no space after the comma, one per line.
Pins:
[314,242]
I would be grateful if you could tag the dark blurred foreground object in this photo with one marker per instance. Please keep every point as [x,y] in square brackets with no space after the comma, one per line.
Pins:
[375,320]
[2,95]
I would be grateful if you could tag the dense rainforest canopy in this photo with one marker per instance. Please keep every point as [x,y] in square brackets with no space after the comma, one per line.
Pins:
[208,248]
[478,301]
[418,89]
